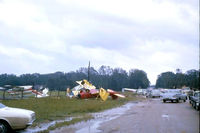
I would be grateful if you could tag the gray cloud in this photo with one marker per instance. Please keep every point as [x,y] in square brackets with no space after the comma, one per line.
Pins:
[61,35]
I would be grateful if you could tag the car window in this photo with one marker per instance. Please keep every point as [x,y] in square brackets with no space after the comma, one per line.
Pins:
[197,94]
[2,106]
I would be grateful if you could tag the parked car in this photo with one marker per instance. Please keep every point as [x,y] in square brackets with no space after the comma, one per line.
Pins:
[139,91]
[14,118]
[195,100]
[154,93]
[174,95]
[186,90]
[182,97]
[144,92]
[190,93]
[170,97]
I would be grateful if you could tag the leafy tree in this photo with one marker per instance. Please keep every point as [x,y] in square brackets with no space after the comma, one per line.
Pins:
[138,79]
[178,80]
[119,79]
[192,78]
[105,70]
[105,77]
[166,80]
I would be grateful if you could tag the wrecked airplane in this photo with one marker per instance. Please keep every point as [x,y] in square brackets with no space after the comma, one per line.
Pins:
[28,91]
[85,90]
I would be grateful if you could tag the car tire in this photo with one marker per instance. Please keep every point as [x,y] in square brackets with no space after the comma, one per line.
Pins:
[184,100]
[196,107]
[177,101]
[4,127]
[164,101]
[172,101]
[193,104]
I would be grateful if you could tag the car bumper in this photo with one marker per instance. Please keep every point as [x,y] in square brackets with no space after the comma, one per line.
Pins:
[31,120]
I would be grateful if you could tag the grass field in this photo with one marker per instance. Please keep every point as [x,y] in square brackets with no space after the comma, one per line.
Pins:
[53,108]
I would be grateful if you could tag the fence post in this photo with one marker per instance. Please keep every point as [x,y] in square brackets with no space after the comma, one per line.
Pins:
[22,93]
[4,91]
[6,87]
[58,92]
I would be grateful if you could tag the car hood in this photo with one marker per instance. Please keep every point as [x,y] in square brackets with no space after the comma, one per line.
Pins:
[15,111]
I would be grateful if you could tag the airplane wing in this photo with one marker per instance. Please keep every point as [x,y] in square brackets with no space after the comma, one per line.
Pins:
[131,90]
[120,95]
[85,84]
[1,88]
[115,94]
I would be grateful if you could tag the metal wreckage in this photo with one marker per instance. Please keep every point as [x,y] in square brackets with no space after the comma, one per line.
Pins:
[85,90]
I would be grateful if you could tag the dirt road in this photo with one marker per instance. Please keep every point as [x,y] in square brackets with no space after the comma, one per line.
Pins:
[153,116]
[149,116]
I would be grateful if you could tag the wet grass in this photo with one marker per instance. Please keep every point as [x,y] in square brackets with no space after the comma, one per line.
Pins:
[67,123]
[54,108]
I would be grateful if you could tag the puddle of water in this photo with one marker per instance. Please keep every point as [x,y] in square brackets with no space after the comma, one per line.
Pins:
[44,126]
[166,116]
[92,126]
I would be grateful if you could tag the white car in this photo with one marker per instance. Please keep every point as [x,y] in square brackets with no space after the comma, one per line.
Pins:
[154,93]
[174,95]
[14,118]
[139,91]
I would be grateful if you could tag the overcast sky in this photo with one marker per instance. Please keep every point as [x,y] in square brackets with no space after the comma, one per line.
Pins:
[46,36]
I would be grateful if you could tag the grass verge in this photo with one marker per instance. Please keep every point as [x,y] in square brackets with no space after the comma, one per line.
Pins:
[54,108]
[67,123]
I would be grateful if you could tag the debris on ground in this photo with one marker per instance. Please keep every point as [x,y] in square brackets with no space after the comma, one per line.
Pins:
[85,90]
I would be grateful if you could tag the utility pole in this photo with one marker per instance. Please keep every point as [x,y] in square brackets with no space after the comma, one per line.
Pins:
[89,71]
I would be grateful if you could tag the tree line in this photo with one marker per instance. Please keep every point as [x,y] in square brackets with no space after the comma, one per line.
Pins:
[105,77]
[177,80]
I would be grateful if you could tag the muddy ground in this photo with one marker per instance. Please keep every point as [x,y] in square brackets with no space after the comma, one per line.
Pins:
[148,116]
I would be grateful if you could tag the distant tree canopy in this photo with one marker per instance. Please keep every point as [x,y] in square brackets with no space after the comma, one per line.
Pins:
[105,77]
[172,80]
[138,79]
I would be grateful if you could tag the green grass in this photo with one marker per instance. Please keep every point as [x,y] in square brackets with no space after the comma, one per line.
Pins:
[66,123]
[54,108]
[56,93]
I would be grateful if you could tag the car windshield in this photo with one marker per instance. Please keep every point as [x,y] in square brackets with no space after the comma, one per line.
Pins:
[2,106]
[197,94]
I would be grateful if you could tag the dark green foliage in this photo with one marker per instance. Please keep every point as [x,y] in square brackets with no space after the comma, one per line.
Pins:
[138,79]
[105,77]
[178,80]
